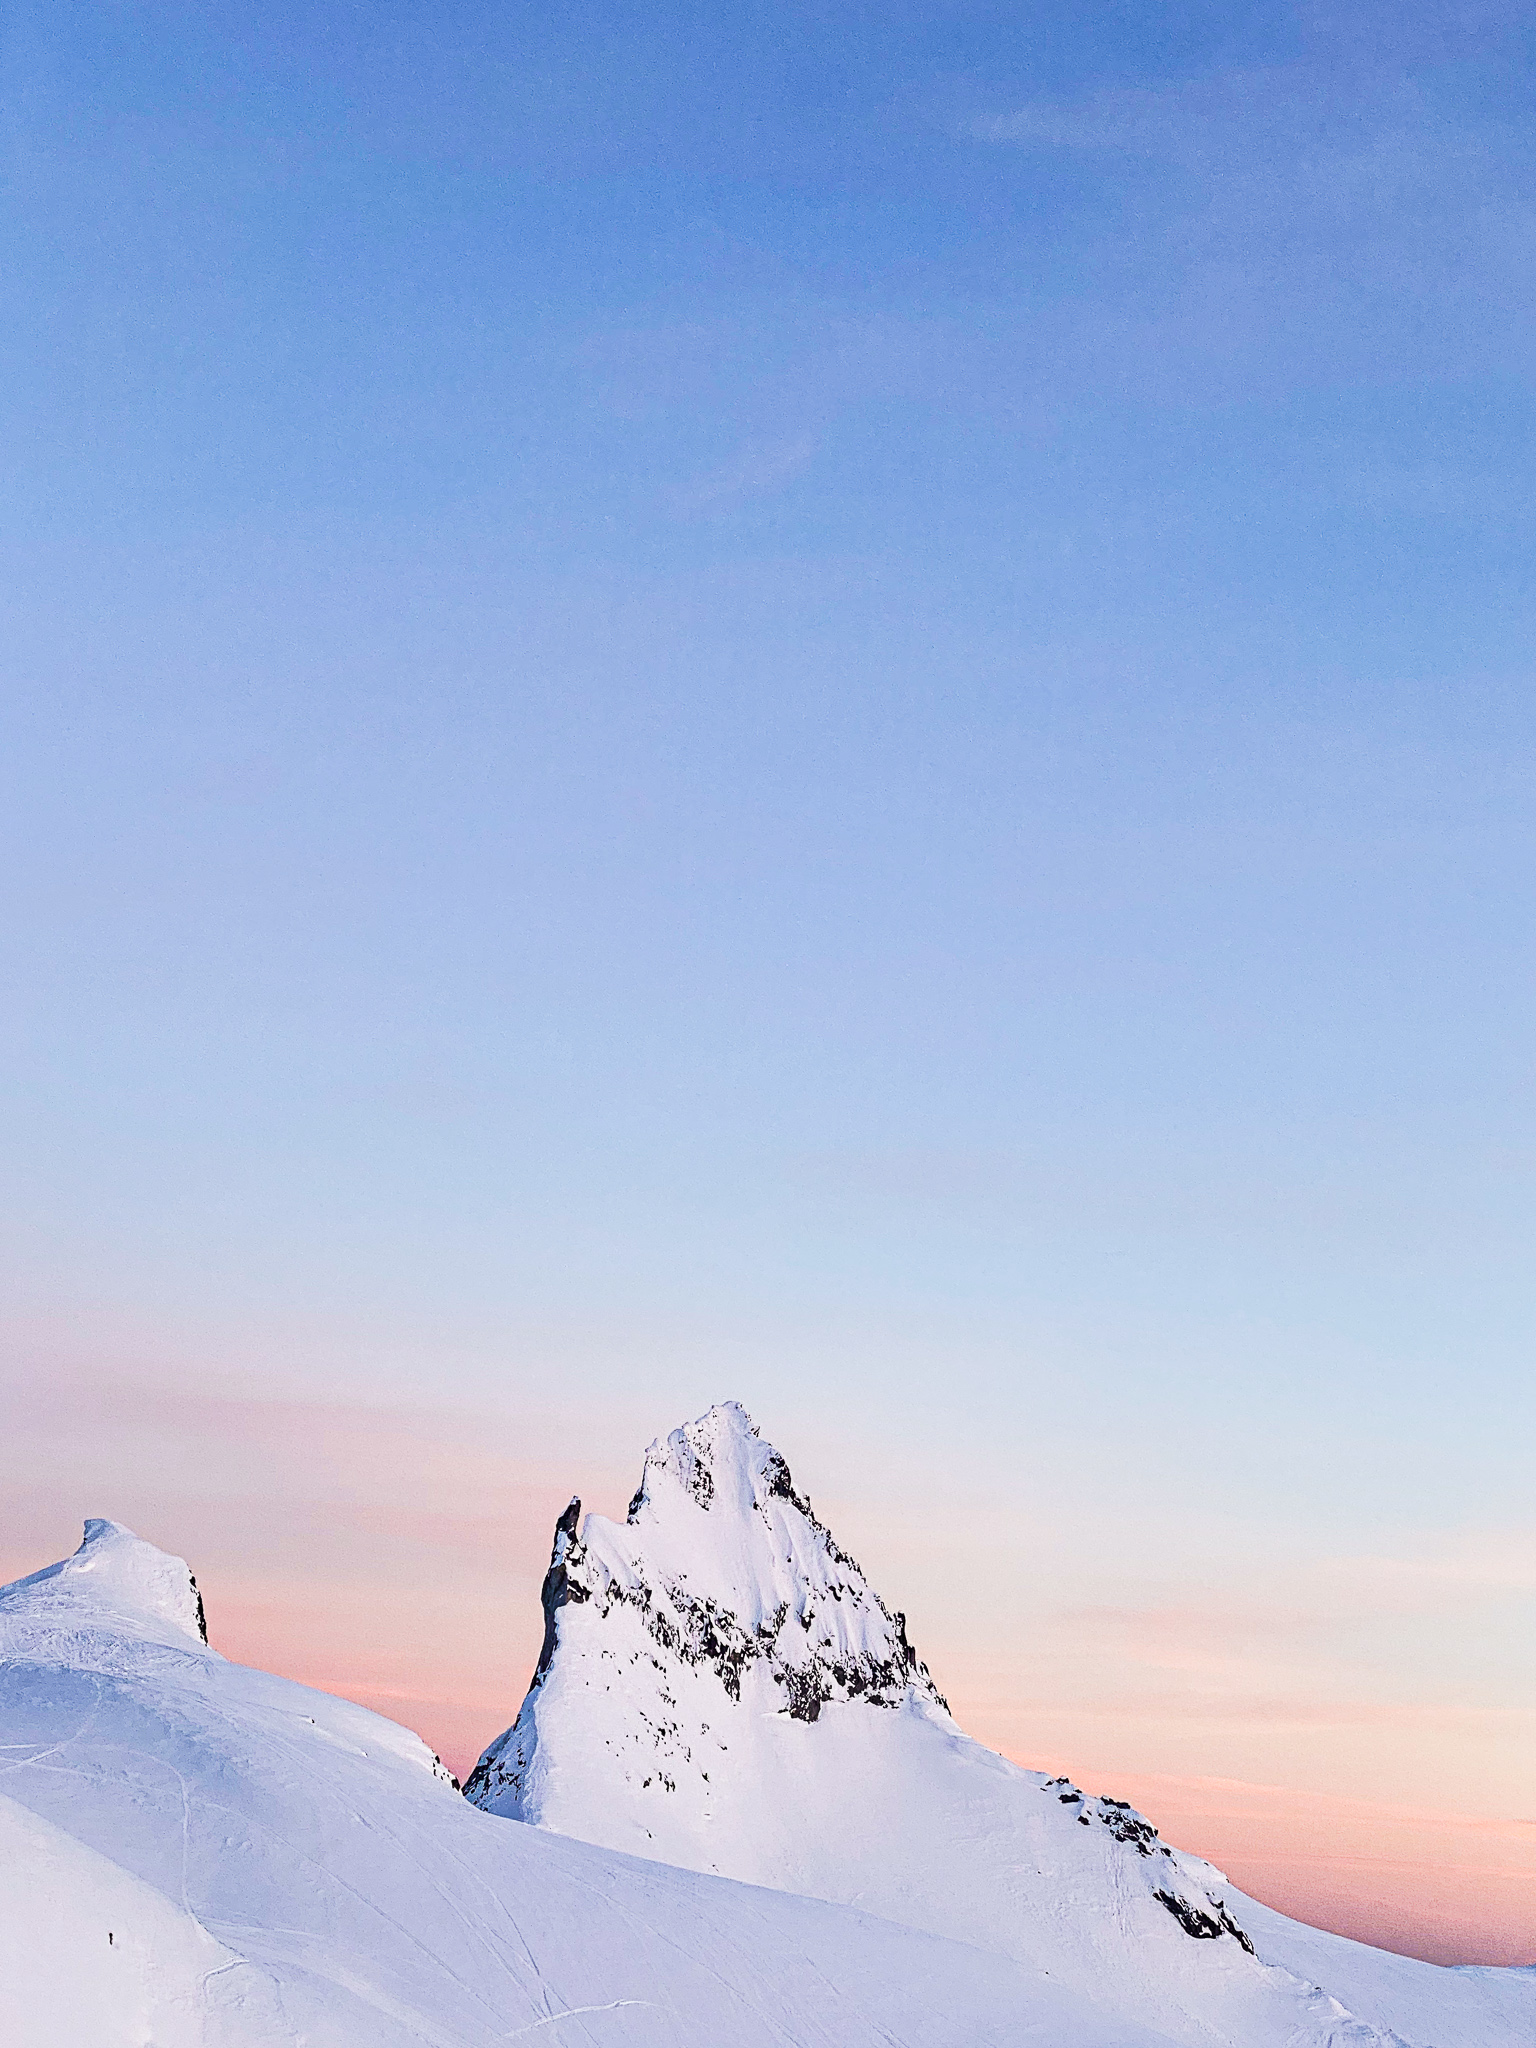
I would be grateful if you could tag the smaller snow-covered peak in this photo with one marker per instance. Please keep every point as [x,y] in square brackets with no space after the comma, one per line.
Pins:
[114,1574]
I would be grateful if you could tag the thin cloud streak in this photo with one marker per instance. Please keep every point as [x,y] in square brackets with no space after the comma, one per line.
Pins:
[757,472]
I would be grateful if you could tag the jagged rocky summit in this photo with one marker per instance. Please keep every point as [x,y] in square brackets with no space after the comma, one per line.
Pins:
[721,1688]
[721,1570]
[674,1641]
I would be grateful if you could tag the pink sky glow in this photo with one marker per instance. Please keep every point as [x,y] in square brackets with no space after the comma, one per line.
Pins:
[395,1557]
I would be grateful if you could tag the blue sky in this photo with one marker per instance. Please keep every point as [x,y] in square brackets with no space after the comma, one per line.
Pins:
[823,703]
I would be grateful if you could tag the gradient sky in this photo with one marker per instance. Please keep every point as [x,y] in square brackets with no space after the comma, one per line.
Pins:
[824,704]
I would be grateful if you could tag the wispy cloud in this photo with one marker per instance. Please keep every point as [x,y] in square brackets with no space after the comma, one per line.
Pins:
[1179,120]
[1338,204]
[1487,1562]
[759,470]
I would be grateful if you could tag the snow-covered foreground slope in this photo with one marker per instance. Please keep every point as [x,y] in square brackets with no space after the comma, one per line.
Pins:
[720,1688]
[195,1855]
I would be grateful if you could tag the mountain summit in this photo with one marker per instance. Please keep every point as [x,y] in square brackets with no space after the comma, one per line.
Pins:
[720,1585]
[721,1688]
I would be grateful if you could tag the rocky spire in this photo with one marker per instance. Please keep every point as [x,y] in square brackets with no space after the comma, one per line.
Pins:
[723,1570]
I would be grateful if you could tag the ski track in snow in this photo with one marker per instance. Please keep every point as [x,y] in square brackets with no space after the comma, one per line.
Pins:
[574,2012]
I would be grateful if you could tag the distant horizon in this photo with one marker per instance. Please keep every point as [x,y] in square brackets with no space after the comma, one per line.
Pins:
[1446,1886]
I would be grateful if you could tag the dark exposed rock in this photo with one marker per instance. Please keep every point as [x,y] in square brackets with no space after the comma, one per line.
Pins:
[1199,1925]
[560,1583]
[782,1487]
[1127,1825]
[703,1633]
[1118,1815]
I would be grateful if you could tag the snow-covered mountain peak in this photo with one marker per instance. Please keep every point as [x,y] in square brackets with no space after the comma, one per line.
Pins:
[720,1687]
[736,1563]
[720,1588]
[114,1575]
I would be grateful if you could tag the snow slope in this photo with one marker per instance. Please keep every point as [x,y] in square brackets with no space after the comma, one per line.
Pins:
[720,1688]
[196,1855]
